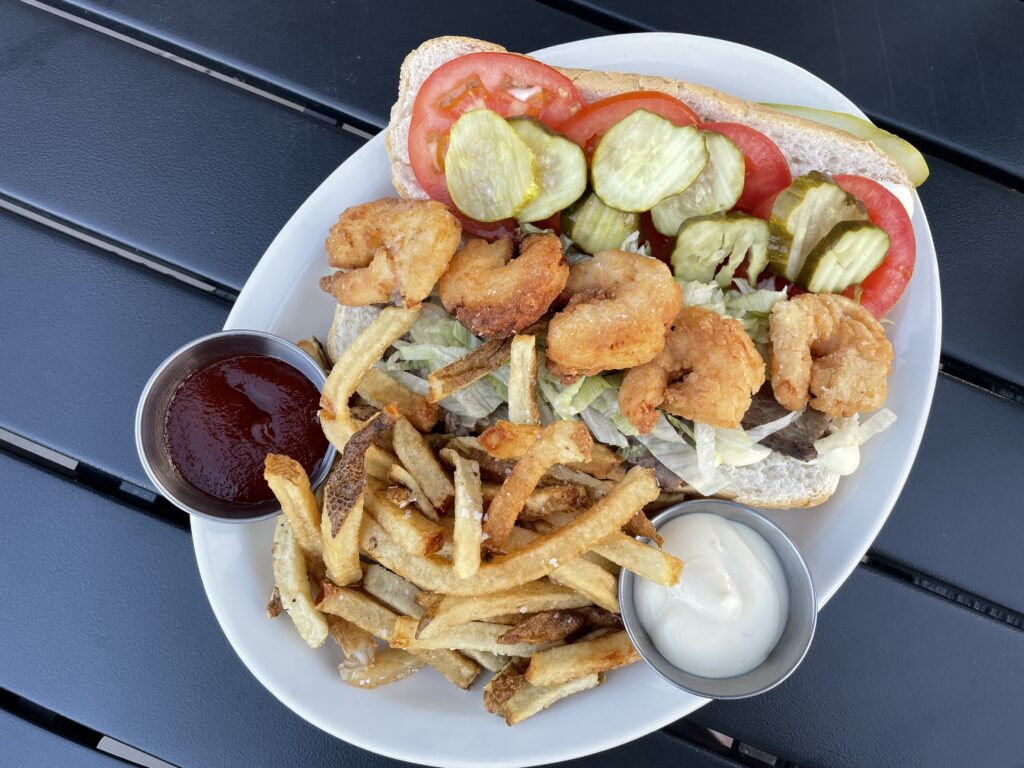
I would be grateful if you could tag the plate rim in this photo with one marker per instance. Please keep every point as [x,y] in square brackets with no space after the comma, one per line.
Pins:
[615,738]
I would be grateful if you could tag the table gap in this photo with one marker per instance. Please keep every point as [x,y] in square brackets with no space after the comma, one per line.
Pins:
[73,731]
[217,69]
[943,589]
[133,496]
[90,237]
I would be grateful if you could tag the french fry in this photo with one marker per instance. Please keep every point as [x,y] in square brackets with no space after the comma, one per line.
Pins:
[379,621]
[489,661]
[315,349]
[356,643]
[589,579]
[640,525]
[274,606]
[380,390]
[392,590]
[508,440]
[642,559]
[529,699]
[475,636]
[502,686]
[485,359]
[599,617]
[400,474]
[367,348]
[290,484]
[544,627]
[542,595]
[568,662]
[419,460]
[558,443]
[390,666]
[343,503]
[536,559]
[554,498]
[292,582]
[469,513]
[411,530]
[625,551]
[492,469]
[522,380]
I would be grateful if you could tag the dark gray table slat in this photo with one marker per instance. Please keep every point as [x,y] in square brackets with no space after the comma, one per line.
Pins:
[895,677]
[112,629]
[147,152]
[978,226]
[342,55]
[82,332]
[959,516]
[24,745]
[943,70]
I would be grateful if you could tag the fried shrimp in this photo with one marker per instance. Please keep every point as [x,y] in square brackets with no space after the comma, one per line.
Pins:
[390,249]
[619,307]
[495,295]
[830,351]
[708,371]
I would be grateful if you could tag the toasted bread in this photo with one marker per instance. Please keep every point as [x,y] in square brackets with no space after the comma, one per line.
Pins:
[807,145]
[778,481]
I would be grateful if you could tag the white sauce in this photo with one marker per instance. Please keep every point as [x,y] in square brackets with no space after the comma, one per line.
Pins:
[730,606]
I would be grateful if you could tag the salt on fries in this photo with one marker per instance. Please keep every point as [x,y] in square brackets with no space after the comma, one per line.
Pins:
[522,380]
[292,582]
[467,531]
[540,610]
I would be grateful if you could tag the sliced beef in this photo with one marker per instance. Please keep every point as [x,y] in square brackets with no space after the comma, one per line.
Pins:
[796,440]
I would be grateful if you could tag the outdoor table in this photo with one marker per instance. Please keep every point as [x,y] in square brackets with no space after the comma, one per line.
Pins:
[150,151]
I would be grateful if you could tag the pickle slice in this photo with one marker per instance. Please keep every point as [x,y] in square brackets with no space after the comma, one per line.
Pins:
[717,188]
[643,159]
[561,169]
[491,172]
[595,227]
[844,257]
[804,213]
[704,242]
[900,150]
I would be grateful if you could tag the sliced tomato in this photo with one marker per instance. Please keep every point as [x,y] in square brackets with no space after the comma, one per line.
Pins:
[763,210]
[507,83]
[590,123]
[882,288]
[488,230]
[661,245]
[766,171]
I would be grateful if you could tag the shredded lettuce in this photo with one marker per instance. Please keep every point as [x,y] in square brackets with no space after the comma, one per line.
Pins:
[632,244]
[436,327]
[840,449]
[664,442]
[737,449]
[570,400]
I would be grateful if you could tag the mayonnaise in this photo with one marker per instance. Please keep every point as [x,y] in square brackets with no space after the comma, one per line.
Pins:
[731,604]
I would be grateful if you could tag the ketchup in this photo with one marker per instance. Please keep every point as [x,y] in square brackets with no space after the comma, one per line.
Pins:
[225,417]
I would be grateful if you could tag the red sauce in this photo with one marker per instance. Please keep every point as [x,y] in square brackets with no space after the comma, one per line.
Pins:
[227,416]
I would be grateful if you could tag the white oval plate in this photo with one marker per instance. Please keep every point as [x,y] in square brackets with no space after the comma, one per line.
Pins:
[424,719]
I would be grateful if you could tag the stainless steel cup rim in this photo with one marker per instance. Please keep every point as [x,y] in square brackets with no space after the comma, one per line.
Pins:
[163,382]
[792,647]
